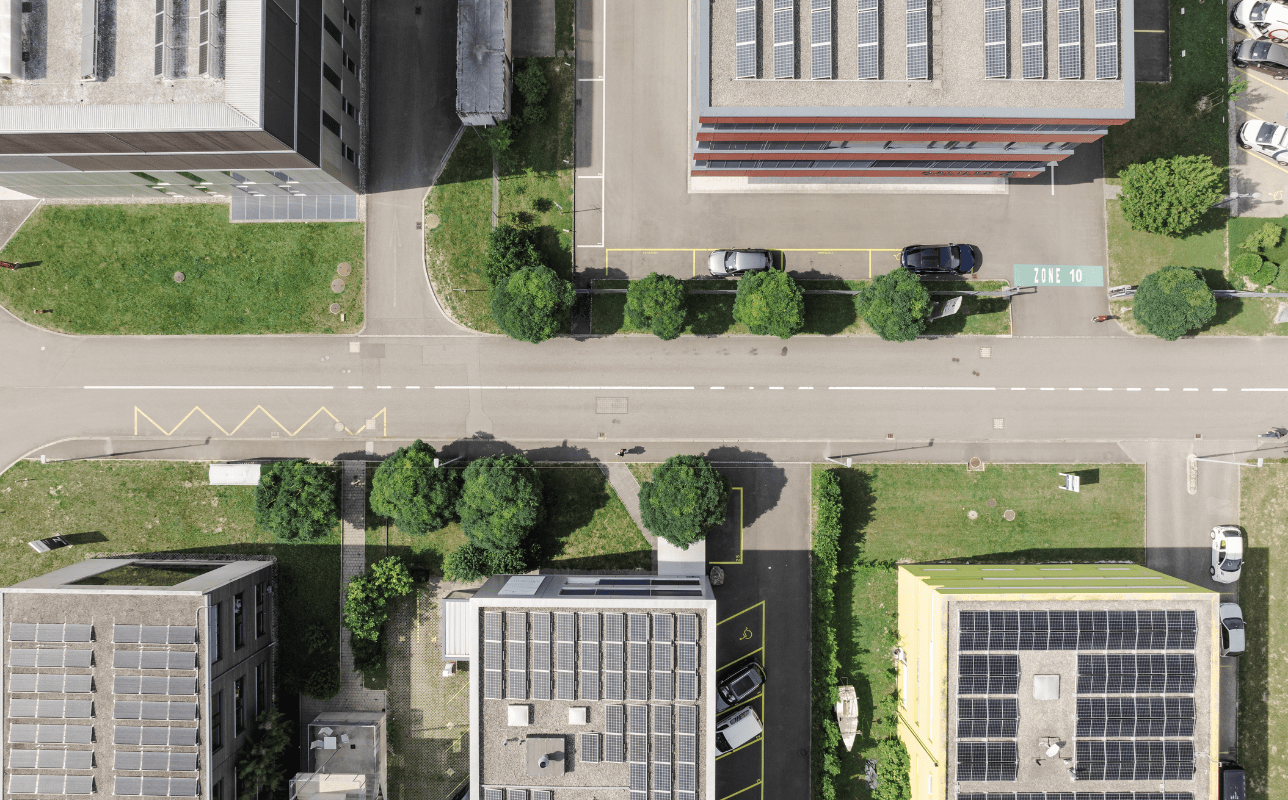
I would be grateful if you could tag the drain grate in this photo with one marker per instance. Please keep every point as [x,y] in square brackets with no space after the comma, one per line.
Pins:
[986,352]
[997,423]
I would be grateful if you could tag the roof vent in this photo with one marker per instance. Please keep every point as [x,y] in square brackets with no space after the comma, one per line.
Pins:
[163,47]
[89,40]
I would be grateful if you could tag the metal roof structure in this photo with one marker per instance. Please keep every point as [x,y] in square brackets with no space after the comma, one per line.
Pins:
[483,61]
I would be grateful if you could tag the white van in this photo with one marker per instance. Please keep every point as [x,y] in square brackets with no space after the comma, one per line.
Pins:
[737,729]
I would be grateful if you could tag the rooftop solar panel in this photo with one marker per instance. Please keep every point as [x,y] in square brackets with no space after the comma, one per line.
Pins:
[492,685]
[662,776]
[614,686]
[615,719]
[493,794]
[661,748]
[784,38]
[614,656]
[1071,40]
[686,749]
[663,657]
[540,680]
[918,58]
[589,750]
[637,718]
[1107,67]
[636,748]
[639,627]
[869,39]
[663,627]
[686,686]
[564,685]
[516,794]
[541,656]
[539,621]
[492,626]
[516,685]
[821,40]
[565,626]
[663,686]
[614,748]
[638,777]
[49,657]
[995,39]
[589,627]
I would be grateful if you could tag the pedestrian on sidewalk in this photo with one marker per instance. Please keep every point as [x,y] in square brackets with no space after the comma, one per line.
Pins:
[621,453]
[1102,318]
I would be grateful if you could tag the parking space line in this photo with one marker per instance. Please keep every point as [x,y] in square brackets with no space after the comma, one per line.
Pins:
[724,667]
[756,696]
[740,791]
[1271,84]
[740,613]
[741,516]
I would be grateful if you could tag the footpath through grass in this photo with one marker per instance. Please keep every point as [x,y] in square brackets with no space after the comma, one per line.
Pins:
[904,513]
[586,527]
[1168,121]
[825,315]
[535,194]
[1263,669]
[109,269]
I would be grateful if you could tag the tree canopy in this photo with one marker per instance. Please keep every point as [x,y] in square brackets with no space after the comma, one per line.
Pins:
[501,502]
[1173,301]
[895,305]
[297,500]
[532,304]
[260,766]
[686,498]
[1169,195]
[657,304]
[415,494]
[367,596]
[509,249]
[770,303]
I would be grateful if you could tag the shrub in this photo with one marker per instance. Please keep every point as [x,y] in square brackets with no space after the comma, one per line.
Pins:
[368,655]
[895,305]
[686,498]
[532,304]
[501,502]
[260,766]
[657,304]
[297,500]
[1173,301]
[322,683]
[531,82]
[509,249]
[1265,238]
[409,489]
[770,303]
[826,548]
[892,771]
[534,115]
[315,639]
[469,563]
[1169,195]
[367,597]
[1257,270]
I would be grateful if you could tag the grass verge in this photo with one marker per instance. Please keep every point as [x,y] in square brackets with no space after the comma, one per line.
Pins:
[1168,121]
[896,513]
[109,269]
[535,177]
[825,315]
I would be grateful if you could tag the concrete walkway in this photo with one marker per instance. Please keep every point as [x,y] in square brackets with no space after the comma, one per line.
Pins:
[628,491]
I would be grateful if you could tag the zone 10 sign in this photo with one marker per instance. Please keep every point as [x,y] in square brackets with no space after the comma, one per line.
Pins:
[1058,275]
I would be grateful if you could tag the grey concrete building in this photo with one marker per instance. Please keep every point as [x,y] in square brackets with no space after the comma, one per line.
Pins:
[483,63]
[256,100]
[134,677]
[346,758]
[592,688]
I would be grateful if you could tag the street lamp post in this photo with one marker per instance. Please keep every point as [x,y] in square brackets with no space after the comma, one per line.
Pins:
[1236,195]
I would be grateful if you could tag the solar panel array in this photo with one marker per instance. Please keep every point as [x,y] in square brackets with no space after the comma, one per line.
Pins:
[1075,796]
[996,40]
[50,682]
[155,787]
[155,761]
[588,642]
[155,735]
[784,38]
[992,674]
[1136,674]
[745,21]
[1139,717]
[918,29]
[154,634]
[539,621]
[153,659]
[820,40]
[51,709]
[614,731]
[869,39]
[987,761]
[51,734]
[134,709]
[1133,761]
[51,759]
[1077,630]
[1070,39]
[51,784]
[516,655]
[1106,39]
[492,661]
[51,658]
[1033,38]
[990,718]
[49,632]
[565,655]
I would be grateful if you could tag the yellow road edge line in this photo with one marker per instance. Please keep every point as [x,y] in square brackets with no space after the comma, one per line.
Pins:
[740,613]
[762,706]
[741,515]
[740,791]
[724,667]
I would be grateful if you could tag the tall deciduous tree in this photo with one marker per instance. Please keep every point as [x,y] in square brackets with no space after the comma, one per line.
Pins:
[1169,195]
[260,766]
[686,498]
[895,305]
[367,596]
[500,502]
[770,303]
[297,500]
[532,304]
[657,303]
[409,489]
[509,250]
[1173,301]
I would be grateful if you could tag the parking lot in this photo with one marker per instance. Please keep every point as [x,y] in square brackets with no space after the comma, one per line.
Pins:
[1266,100]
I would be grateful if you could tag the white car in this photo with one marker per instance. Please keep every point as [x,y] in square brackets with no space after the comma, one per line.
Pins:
[737,729]
[1233,642]
[1262,19]
[1266,138]
[1227,554]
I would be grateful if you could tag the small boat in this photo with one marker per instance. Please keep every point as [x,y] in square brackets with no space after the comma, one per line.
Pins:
[847,715]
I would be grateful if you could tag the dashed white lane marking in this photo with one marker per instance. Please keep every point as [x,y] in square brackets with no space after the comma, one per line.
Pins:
[1263,390]
[1161,389]
[1218,390]
[1103,389]
[778,388]
[1134,390]
[805,388]
[716,387]
[914,388]
[1018,389]
[384,387]
[1047,389]
[271,388]
[574,388]
[355,387]
[1189,390]
[1075,388]
[413,387]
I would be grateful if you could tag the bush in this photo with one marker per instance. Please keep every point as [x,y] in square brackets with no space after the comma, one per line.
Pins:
[531,83]
[1265,238]
[656,303]
[686,498]
[315,639]
[415,494]
[260,766]
[509,249]
[297,500]
[322,683]
[469,563]
[367,597]
[368,655]
[534,115]
[892,771]
[1257,270]
[826,547]
[895,305]
[532,304]
[1169,195]
[1173,301]
[501,502]
[770,303]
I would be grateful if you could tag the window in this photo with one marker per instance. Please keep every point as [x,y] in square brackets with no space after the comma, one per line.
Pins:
[217,791]
[216,629]
[331,28]
[349,154]
[330,75]
[261,620]
[261,688]
[239,707]
[330,123]
[217,722]
[350,109]
[239,623]
[350,64]
[351,19]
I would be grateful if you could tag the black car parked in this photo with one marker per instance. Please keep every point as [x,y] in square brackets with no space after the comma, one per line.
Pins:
[1266,57]
[959,259]
[739,685]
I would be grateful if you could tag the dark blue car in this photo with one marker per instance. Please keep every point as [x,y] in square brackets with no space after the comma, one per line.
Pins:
[959,259]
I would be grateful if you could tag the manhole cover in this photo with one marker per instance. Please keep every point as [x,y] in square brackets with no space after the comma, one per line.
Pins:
[972,514]
[339,426]
[611,405]
[344,269]
[997,423]
[178,277]
[1008,515]
[335,308]
[991,502]
[431,221]
[976,464]
[337,285]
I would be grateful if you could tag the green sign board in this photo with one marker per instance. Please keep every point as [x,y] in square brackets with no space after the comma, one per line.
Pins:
[1058,275]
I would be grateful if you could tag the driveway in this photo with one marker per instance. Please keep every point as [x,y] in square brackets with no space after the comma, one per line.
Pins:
[1266,100]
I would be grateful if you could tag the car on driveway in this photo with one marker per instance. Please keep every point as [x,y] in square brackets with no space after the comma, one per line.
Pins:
[739,685]
[1232,642]
[1266,57]
[1266,138]
[732,263]
[1227,554]
[1261,19]
[737,729]
[956,259]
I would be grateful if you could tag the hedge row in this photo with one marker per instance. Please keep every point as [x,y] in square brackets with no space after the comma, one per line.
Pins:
[825,761]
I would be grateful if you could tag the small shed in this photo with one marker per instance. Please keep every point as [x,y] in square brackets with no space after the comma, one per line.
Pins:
[483,61]
[234,474]
[456,634]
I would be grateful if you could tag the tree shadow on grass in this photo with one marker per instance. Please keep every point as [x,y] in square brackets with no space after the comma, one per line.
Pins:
[971,305]
[829,313]
[709,314]
[1226,309]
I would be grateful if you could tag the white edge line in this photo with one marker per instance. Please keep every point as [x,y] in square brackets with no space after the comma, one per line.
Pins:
[914,388]
[574,388]
[1263,390]
[212,387]
[1134,390]
[413,387]
[1019,389]
[1218,390]
[1161,389]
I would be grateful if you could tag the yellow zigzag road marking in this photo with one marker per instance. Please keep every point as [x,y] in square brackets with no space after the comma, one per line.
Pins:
[138,412]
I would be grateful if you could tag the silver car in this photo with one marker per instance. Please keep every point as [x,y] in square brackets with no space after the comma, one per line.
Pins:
[732,263]
[1232,642]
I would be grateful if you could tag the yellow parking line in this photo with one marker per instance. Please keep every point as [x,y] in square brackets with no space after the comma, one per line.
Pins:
[1267,159]
[748,700]
[724,667]
[737,560]
[1271,84]
[740,791]
[740,613]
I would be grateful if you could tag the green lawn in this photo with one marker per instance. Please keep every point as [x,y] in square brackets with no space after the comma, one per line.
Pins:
[1263,669]
[535,194]
[897,513]
[826,315]
[109,269]
[565,26]
[1168,122]
[586,527]
[109,507]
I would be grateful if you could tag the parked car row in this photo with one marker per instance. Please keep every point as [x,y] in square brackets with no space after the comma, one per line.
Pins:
[953,259]
[742,726]
[1227,566]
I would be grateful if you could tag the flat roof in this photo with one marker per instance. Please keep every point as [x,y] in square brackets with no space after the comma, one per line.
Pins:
[956,84]
[482,56]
